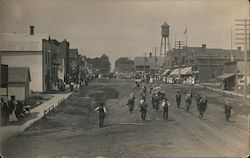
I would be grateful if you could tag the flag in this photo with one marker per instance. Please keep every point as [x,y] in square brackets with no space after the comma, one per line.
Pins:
[185,31]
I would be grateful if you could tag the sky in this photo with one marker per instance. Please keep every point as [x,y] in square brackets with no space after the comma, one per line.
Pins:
[125,28]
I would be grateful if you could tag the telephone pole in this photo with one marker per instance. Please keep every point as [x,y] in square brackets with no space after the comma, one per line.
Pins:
[145,60]
[242,38]
[179,45]
[155,48]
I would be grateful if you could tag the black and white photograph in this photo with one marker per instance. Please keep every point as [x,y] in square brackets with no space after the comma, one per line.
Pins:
[124,78]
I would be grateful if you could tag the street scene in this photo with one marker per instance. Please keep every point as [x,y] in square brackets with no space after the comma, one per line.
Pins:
[108,79]
[73,130]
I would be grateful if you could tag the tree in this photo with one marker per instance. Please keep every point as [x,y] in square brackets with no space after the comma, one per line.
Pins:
[101,63]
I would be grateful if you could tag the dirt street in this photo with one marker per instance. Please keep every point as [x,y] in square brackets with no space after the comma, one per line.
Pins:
[73,131]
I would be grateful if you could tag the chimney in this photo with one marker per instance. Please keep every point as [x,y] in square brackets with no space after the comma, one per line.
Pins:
[203,46]
[32,30]
[239,48]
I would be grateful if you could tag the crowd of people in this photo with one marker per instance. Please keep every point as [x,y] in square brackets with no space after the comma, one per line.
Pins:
[158,97]
[81,77]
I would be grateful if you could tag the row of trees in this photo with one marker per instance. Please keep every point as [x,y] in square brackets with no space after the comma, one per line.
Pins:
[101,63]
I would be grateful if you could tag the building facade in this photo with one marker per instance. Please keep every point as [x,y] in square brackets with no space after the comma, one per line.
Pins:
[19,83]
[150,64]
[55,61]
[206,63]
[73,60]
[124,65]
[47,59]
[25,50]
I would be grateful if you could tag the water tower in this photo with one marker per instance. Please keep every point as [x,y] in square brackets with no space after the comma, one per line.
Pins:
[165,39]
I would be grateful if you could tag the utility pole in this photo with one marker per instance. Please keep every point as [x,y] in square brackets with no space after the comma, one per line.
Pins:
[243,39]
[232,58]
[145,60]
[155,59]
[179,45]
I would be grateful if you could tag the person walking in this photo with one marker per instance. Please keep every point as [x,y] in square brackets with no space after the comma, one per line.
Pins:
[228,109]
[143,109]
[188,100]
[165,104]
[4,113]
[131,102]
[155,101]
[178,99]
[101,111]
[198,97]
[202,106]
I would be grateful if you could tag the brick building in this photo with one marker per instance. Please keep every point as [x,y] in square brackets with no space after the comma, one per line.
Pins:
[206,63]
[73,60]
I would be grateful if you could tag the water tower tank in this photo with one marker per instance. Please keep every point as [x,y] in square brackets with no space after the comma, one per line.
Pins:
[165,30]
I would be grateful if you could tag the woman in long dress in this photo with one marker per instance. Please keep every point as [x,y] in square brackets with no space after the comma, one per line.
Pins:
[12,110]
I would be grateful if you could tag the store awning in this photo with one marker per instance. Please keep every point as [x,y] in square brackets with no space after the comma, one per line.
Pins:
[175,72]
[183,71]
[186,71]
[226,75]
[166,72]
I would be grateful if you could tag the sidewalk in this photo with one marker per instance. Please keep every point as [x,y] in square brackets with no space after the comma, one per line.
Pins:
[8,131]
[224,91]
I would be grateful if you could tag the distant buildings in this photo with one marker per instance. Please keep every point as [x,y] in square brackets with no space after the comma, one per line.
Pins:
[148,64]
[124,65]
[206,63]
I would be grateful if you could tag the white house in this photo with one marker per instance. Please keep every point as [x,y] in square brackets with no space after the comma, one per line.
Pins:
[25,50]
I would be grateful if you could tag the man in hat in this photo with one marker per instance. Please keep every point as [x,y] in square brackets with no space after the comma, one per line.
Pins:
[101,111]
[202,106]
[155,101]
[143,110]
[198,97]
[165,104]
[131,102]
[4,112]
[188,100]
[228,109]
[178,99]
